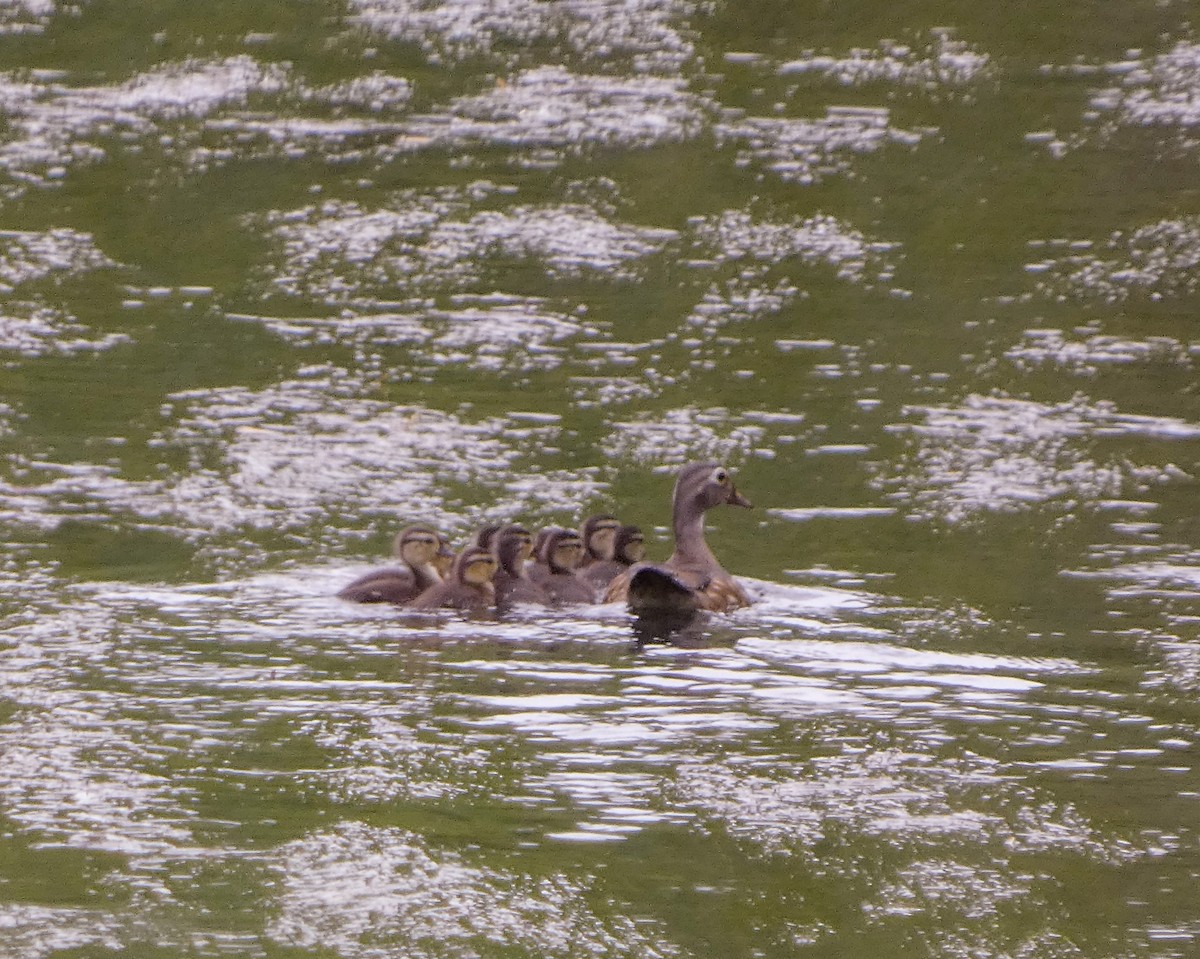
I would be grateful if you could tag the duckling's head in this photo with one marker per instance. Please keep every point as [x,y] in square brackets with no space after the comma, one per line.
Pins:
[475,566]
[418,546]
[485,534]
[539,542]
[630,545]
[598,534]
[562,550]
[511,546]
[444,559]
[705,485]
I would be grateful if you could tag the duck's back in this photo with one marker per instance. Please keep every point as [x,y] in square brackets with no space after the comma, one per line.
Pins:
[518,589]
[452,596]
[394,584]
[563,587]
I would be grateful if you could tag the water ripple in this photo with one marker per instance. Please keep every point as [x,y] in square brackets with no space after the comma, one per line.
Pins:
[367,891]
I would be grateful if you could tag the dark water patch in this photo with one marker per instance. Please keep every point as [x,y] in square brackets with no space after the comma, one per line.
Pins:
[93,551]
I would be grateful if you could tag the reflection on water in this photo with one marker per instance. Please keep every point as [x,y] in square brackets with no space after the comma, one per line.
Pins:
[278,283]
[805,727]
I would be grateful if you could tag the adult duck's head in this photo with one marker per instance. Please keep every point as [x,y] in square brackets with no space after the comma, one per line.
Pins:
[701,486]
[562,550]
[419,546]
[599,534]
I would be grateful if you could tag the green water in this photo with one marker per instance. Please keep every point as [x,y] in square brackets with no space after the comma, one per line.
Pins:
[278,278]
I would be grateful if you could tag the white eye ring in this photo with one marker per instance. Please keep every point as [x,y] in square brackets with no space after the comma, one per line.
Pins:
[720,475]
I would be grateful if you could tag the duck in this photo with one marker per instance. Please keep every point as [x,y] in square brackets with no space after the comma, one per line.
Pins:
[469,586]
[691,579]
[483,536]
[511,547]
[445,557]
[629,547]
[422,550]
[536,569]
[560,554]
[598,534]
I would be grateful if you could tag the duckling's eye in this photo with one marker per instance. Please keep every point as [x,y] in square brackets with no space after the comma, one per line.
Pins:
[721,477]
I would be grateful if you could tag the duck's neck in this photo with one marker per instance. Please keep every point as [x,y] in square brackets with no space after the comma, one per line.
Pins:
[427,574]
[690,546]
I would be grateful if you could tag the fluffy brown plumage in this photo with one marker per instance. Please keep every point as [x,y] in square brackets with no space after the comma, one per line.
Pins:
[511,547]
[598,534]
[469,586]
[629,547]
[419,548]
[561,552]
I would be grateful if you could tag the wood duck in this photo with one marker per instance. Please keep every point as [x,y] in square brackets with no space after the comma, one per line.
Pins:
[629,547]
[483,536]
[469,586]
[536,568]
[561,553]
[691,579]
[598,534]
[511,546]
[421,550]
[445,557]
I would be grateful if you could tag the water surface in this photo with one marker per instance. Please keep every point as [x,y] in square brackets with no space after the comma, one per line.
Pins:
[276,279]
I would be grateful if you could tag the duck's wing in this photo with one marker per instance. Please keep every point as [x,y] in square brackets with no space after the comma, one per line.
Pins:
[653,588]
[568,588]
[722,594]
[392,585]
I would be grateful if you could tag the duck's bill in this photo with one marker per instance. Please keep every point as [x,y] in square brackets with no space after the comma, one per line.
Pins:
[737,499]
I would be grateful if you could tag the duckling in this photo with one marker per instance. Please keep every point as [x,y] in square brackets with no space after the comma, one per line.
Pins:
[691,579]
[445,557]
[421,550]
[469,586]
[629,547]
[536,568]
[598,533]
[483,536]
[511,547]
[561,552]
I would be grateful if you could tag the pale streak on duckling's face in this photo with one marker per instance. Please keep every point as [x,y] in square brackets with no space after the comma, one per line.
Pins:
[443,559]
[635,550]
[479,570]
[526,545]
[604,538]
[420,548]
[568,553]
